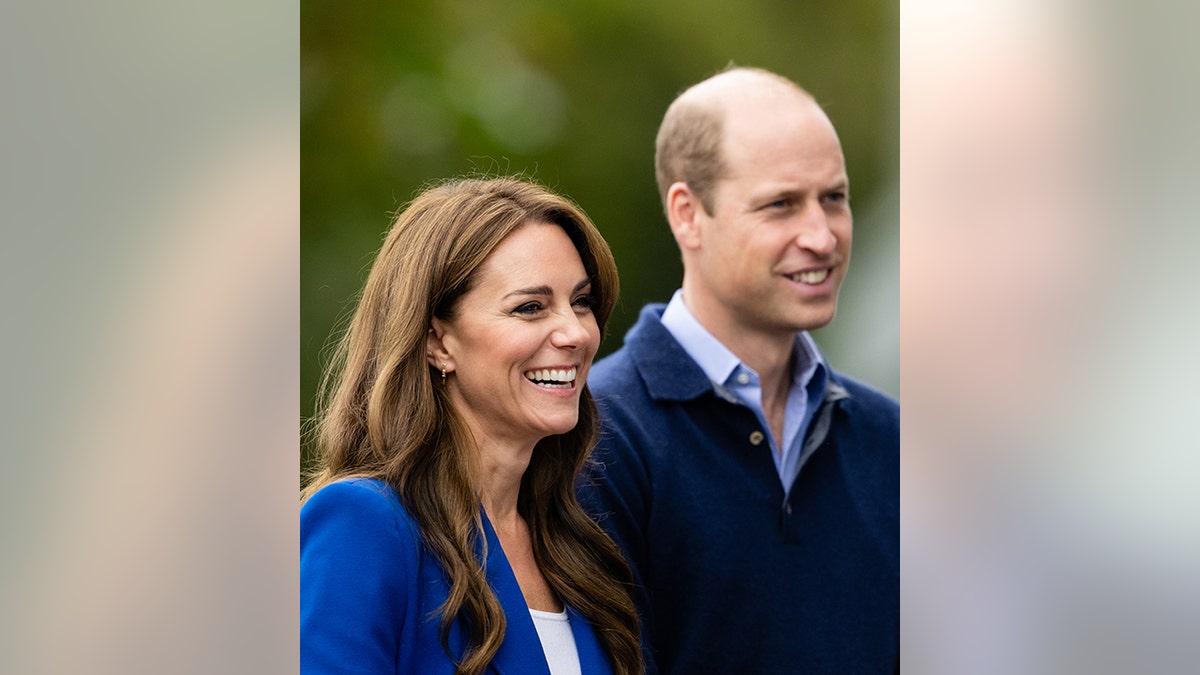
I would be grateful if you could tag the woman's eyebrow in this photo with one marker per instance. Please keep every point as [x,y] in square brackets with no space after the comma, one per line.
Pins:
[535,290]
[546,290]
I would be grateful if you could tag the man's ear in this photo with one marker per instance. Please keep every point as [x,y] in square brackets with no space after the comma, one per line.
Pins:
[683,211]
[435,347]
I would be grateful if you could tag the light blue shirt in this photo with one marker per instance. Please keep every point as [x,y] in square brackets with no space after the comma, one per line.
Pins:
[733,380]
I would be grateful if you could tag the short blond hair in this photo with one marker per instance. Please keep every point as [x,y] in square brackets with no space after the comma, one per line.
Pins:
[688,145]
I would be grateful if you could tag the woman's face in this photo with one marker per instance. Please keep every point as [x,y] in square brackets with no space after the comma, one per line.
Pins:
[522,339]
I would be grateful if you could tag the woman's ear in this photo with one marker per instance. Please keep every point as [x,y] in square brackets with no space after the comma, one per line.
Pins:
[435,347]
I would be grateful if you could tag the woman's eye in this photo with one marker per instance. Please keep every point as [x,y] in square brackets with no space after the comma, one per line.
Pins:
[587,302]
[528,308]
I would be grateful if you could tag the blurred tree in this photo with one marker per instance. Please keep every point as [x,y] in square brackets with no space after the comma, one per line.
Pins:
[395,95]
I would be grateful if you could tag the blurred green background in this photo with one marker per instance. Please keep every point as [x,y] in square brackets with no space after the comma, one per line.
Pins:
[394,95]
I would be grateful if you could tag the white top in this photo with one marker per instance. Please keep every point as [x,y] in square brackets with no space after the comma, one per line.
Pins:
[554,630]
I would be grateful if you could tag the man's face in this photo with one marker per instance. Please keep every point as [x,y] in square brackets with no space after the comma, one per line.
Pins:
[774,251]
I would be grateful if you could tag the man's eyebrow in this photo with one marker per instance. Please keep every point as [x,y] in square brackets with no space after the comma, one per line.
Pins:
[842,184]
[546,290]
[768,197]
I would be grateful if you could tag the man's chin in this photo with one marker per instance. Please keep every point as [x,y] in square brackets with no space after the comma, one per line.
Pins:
[812,320]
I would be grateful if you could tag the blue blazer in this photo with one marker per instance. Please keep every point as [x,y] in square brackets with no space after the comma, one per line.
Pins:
[370,590]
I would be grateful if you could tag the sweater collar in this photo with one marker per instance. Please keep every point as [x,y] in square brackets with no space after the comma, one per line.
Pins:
[669,372]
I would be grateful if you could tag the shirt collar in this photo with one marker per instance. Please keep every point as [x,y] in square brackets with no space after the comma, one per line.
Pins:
[715,359]
[809,360]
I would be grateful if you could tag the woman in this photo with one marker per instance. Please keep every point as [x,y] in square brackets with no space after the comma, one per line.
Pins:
[441,533]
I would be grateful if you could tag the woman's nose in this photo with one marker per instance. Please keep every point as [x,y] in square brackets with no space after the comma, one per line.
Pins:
[570,332]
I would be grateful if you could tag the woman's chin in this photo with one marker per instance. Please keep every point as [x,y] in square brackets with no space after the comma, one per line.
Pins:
[559,427]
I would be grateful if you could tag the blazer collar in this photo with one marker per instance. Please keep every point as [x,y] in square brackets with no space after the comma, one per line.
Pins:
[593,660]
[521,652]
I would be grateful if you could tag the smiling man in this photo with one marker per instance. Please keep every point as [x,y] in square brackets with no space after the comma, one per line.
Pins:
[754,490]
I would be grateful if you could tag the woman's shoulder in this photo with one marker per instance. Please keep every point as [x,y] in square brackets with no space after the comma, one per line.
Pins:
[360,565]
[358,504]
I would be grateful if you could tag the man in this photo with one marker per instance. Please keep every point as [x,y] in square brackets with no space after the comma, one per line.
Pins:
[754,490]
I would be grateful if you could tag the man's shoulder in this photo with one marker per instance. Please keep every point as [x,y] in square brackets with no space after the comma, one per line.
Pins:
[643,343]
[617,371]
[869,410]
[867,396]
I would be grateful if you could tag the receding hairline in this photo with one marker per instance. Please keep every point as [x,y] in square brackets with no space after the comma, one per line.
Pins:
[690,139]
[730,85]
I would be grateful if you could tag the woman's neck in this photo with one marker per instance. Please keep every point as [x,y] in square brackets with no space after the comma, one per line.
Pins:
[501,468]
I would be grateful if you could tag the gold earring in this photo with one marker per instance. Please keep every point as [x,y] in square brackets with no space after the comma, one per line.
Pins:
[443,373]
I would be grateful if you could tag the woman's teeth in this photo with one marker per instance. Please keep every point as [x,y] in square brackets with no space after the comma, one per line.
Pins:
[551,377]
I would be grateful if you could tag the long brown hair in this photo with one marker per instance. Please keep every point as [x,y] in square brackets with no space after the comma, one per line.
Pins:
[383,416]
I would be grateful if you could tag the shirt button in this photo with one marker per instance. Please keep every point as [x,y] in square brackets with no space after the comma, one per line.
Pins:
[788,508]
[756,438]
[743,378]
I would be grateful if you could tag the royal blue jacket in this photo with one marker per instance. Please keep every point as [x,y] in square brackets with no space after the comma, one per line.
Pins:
[733,575]
[370,590]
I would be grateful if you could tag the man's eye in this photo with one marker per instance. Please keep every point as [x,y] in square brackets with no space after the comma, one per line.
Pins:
[780,204]
[835,197]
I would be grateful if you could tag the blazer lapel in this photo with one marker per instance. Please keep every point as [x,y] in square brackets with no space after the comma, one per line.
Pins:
[521,652]
[592,659]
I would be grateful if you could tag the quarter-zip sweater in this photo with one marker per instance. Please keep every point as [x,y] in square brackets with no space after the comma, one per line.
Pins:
[734,576]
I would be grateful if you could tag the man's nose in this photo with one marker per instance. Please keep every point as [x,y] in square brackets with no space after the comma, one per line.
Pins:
[814,232]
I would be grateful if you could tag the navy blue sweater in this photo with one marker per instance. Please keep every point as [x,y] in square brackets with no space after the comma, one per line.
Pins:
[733,575]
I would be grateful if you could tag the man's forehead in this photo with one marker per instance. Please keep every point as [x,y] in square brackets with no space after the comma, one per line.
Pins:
[773,108]
[783,157]
[756,132]
[753,185]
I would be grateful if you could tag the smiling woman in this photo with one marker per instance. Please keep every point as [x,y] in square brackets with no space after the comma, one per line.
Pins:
[454,423]
[515,337]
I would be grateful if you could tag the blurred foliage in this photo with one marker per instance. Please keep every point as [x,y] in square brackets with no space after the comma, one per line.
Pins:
[395,95]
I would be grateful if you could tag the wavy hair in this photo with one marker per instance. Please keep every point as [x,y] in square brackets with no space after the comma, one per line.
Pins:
[382,415]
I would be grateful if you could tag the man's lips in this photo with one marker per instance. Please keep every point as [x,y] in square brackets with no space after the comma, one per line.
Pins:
[810,277]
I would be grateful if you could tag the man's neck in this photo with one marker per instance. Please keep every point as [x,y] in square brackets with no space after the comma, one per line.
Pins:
[770,354]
